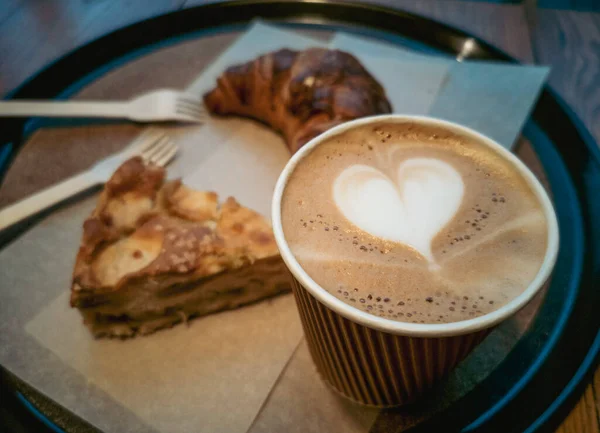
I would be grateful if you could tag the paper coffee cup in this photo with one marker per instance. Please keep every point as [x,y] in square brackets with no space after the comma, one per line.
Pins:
[378,361]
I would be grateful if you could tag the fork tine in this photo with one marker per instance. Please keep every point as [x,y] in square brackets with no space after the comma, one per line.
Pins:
[145,141]
[156,144]
[166,150]
[188,113]
[157,149]
[189,119]
[164,160]
[158,153]
[181,106]
[191,116]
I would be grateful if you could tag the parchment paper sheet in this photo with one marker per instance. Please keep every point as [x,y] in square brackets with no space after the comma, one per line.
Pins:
[217,374]
[308,405]
[492,98]
[214,375]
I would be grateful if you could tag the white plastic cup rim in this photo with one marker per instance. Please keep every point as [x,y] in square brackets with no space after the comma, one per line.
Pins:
[404,328]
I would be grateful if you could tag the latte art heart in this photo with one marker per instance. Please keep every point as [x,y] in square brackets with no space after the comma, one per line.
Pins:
[411,209]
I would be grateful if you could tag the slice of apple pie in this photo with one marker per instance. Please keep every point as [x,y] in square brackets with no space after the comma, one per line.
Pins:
[156,253]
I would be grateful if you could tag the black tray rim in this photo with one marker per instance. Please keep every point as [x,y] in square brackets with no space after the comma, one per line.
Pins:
[292,10]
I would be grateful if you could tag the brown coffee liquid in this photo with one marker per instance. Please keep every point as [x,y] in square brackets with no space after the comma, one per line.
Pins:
[486,255]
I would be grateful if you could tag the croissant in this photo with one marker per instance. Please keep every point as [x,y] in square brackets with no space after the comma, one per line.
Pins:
[300,94]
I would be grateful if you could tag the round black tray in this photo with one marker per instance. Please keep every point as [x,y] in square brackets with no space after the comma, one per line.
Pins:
[538,382]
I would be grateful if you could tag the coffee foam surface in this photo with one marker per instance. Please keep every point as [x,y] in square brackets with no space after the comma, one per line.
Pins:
[414,223]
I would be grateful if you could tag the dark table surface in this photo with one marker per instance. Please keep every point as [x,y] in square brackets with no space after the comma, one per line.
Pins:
[35,32]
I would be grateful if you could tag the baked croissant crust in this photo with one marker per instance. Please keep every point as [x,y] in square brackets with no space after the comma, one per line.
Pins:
[155,253]
[300,94]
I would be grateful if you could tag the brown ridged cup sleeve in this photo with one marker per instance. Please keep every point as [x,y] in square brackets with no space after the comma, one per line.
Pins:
[372,367]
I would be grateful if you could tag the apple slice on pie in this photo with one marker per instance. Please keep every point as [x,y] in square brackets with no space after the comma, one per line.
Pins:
[156,253]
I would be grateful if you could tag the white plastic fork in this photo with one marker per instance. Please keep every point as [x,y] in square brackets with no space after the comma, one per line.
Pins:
[154,147]
[159,105]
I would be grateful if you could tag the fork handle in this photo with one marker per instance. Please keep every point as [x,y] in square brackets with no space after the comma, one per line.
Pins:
[46,198]
[62,109]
